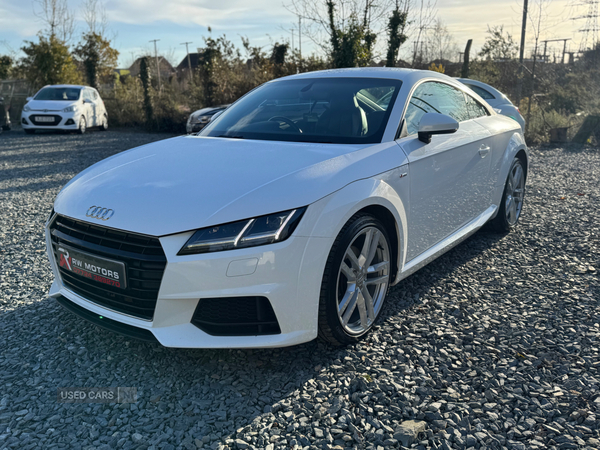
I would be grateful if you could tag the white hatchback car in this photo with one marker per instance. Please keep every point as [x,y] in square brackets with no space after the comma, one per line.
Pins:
[64,107]
[290,215]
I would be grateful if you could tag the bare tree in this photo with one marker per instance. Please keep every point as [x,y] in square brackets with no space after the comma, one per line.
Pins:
[372,15]
[425,17]
[541,21]
[94,15]
[441,43]
[57,17]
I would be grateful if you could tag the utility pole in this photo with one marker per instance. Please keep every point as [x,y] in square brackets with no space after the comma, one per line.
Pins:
[300,35]
[188,58]
[521,54]
[157,66]
[466,56]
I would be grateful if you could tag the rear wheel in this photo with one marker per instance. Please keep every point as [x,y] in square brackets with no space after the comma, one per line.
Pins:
[512,198]
[355,281]
[104,125]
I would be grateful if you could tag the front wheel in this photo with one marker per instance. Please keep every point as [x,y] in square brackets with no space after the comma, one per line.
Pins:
[355,282]
[511,204]
[82,126]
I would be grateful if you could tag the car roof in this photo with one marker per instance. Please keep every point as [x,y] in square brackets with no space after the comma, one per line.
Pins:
[495,92]
[67,86]
[405,75]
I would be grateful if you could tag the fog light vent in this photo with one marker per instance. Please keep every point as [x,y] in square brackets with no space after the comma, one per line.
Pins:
[236,316]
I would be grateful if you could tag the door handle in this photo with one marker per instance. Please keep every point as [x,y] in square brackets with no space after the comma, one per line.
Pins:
[484,150]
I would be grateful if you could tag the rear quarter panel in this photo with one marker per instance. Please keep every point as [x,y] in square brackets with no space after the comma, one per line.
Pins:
[507,141]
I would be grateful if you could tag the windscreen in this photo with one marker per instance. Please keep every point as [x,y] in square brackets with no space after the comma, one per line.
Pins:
[56,93]
[325,110]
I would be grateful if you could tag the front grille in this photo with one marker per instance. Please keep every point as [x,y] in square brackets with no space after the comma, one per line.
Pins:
[143,257]
[35,121]
[236,316]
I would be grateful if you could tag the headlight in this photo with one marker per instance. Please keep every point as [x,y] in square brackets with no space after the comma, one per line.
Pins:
[26,108]
[245,233]
[200,119]
[70,109]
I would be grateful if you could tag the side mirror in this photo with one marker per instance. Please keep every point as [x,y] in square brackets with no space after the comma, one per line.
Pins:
[28,99]
[434,123]
[215,115]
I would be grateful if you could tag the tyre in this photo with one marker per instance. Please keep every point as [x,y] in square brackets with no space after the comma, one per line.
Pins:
[104,125]
[82,126]
[511,204]
[355,281]
[29,131]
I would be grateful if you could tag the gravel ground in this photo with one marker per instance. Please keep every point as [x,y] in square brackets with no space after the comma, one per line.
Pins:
[494,345]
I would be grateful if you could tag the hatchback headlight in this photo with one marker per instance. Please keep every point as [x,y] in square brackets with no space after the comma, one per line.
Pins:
[26,108]
[70,109]
[245,233]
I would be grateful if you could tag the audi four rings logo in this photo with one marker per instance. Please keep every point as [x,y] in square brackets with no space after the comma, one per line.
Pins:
[98,212]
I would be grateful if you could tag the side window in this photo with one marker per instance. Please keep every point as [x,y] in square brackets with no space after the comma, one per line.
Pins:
[434,97]
[422,101]
[481,92]
[475,108]
[86,94]
[94,95]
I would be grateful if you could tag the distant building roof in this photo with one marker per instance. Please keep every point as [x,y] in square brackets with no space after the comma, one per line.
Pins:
[165,66]
[194,62]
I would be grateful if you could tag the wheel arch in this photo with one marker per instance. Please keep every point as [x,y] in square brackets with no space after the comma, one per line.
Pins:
[524,157]
[516,148]
[388,220]
[373,196]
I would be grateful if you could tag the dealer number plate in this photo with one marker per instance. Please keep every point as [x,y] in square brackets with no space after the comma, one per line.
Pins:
[92,267]
[44,119]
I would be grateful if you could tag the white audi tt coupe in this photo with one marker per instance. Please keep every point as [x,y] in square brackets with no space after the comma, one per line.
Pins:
[290,215]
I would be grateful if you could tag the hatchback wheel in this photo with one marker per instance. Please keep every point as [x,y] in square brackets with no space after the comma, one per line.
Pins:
[355,282]
[82,126]
[104,125]
[511,204]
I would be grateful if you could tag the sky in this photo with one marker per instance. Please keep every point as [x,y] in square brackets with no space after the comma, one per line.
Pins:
[133,23]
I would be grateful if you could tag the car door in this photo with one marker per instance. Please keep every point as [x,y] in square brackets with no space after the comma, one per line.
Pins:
[91,108]
[85,95]
[96,107]
[480,114]
[446,175]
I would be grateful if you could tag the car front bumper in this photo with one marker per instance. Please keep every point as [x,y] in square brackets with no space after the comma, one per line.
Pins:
[288,274]
[62,120]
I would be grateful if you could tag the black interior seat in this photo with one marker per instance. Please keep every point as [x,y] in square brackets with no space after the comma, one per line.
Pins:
[343,118]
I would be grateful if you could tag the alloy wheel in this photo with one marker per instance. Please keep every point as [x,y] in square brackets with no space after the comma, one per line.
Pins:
[515,191]
[362,280]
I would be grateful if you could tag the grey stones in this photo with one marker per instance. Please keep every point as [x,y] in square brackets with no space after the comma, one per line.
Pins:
[495,344]
[408,431]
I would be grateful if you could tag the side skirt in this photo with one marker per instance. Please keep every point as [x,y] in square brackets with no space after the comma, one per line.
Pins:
[443,246]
